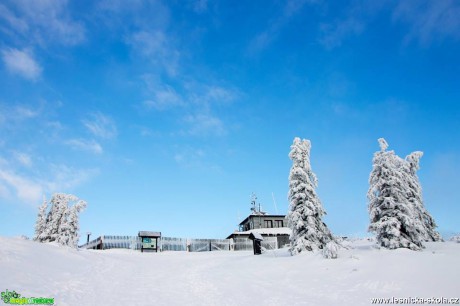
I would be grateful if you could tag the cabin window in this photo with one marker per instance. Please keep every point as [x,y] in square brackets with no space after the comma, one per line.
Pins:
[268,223]
[279,223]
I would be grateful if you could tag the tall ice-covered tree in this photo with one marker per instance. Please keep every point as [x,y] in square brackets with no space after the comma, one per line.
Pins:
[309,233]
[393,217]
[414,195]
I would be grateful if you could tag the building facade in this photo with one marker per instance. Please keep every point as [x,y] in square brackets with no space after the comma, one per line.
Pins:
[255,221]
[271,227]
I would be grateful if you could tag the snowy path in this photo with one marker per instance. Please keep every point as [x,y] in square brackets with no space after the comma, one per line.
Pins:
[124,277]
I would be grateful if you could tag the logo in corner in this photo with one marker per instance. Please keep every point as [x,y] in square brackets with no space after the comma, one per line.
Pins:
[14,298]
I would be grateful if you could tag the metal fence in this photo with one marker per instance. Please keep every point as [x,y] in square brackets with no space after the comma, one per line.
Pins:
[269,243]
[173,244]
[180,244]
[220,244]
[121,242]
[204,245]
[242,244]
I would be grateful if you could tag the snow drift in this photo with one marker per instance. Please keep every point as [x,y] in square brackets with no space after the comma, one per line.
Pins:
[126,277]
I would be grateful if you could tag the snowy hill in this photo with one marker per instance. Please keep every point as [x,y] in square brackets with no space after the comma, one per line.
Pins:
[124,277]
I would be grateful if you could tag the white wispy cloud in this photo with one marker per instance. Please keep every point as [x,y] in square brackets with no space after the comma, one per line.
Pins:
[13,115]
[156,47]
[203,124]
[200,6]
[209,95]
[189,156]
[66,178]
[101,125]
[332,35]
[25,112]
[429,20]
[160,96]
[4,192]
[16,23]
[196,158]
[23,158]
[42,22]
[266,37]
[149,41]
[25,189]
[143,14]
[85,145]
[22,63]
[218,93]
[352,22]
[195,103]
[148,132]
[30,187]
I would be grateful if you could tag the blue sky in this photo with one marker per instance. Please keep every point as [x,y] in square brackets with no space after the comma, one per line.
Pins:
[167,115]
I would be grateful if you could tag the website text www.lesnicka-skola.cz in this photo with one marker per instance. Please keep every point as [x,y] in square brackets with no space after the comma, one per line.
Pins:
[416,301]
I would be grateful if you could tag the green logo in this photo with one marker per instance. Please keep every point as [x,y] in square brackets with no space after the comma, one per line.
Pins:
[12,297]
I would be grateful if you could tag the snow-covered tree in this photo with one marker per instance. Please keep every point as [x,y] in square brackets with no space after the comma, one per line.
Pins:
[455,238]
[309,233]
[61,223]
[393,217]
[414,195]
[331,250]
[73,223]
[63,236]
[40,225]
[57,216]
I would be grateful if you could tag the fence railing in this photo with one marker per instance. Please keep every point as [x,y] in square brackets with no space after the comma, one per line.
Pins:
[242,244]
[173,244]
[180,244]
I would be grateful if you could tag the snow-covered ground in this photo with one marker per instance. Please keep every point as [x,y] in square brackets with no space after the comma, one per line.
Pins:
[125,277]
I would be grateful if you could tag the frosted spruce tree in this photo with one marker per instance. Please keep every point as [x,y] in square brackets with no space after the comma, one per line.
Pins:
[309,233]
[61,223]
[392,216]
[73,233]
[40,225]
[56,217]
[414,195]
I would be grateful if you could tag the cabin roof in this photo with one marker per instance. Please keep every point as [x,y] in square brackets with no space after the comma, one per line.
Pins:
[264,216]
[149,234]
[275,231]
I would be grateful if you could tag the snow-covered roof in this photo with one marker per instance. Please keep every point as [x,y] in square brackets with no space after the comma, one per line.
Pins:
[256,236]
[149,234]
[268,231]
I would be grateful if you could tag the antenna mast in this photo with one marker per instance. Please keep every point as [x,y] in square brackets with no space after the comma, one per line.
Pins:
[274,203]
[256,208]
[253,203]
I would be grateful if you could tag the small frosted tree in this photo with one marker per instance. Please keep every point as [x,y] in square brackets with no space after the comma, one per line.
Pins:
[414,195]
[61,224]
[392,216]
[309,233]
